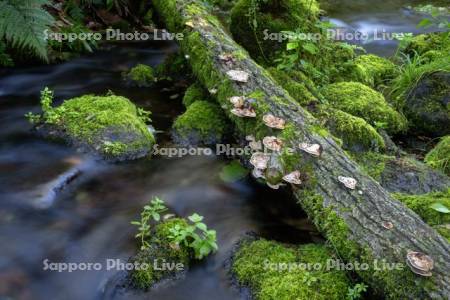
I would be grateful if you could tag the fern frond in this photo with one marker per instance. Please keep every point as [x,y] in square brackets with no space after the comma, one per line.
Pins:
[23,23]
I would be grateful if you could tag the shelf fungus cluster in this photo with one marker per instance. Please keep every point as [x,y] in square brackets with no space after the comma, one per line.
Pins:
[273,143]
[243,107]
[238,76]
[274,122]
[313,149]
[348,182]
[420,263]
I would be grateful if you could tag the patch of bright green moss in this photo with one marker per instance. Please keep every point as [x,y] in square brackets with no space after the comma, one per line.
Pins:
[360,100]
[110,124]
[355,133]
[194,93]
[439,156]
[420,204]
[203,122]
[371,70]
[160,250]
[254,266]
[423,43]
[141,75]
[372,163]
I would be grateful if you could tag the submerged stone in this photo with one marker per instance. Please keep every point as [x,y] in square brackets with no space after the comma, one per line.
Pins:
[110,126]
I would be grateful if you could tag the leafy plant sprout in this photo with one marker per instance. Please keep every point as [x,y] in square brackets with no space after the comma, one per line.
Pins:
[195,236]
[151,211]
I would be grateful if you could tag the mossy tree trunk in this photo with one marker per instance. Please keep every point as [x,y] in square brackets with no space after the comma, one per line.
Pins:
[352,220]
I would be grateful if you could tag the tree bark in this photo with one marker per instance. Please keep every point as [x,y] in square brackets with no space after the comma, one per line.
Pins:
[352,220]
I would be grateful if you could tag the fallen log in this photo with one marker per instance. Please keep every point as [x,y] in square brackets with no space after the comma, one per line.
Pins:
[365,225]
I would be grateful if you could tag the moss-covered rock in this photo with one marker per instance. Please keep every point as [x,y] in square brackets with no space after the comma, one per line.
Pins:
[420,204]
[203,123]
[195,92]
[111,126]
[298,85]
[360,100]
[141,75]
[259,265]
[251,24]
[160,251]
[370,69]
[427,105]
[439,157]
[356,134]
[401,174]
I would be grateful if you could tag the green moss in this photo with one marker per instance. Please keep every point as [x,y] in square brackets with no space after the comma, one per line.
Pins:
[275,16]
[370,69]
[160,250]
[202,123]
[111,125]
[423,43]
[444,230]
[194,93]
[439,157]
[372,163]
[297,89]
[141,75]
[362,101]
[420,204]
[355,133]
[253,266]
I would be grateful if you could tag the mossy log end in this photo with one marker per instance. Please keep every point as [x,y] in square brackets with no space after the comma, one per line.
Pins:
[352,220]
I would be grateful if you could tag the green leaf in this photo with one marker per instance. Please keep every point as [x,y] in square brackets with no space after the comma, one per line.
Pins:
[292,45]
[233,172]
[202,226]
[424,23]
[440,208]
[195,218]
[310,47]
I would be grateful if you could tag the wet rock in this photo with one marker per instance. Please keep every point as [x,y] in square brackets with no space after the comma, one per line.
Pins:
[427,106]
[141,75]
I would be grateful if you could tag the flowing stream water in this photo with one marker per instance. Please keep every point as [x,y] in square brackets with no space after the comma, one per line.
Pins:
[89,220]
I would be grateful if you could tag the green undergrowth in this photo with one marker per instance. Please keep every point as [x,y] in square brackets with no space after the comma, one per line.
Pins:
[258,264]
[439,157]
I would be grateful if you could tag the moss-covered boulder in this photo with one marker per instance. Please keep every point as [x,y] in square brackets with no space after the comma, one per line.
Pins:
[370,69]
[421,205]
[356,134]
[203,123]
[427,104]
[195,92]
[253,21]
[110,126]
[275,271]
[141,75]
[402,174]
[360,100]
[160,251]
[439,157]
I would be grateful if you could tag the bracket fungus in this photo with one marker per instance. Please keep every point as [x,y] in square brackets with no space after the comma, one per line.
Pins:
[238,75]
[313,149]
[259,160]
[293,178]
[274,186]
[274,122]
[258,173]
[244,112]
[387,225]
[348,182]
[419,263]
[227,58]
[273,143]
